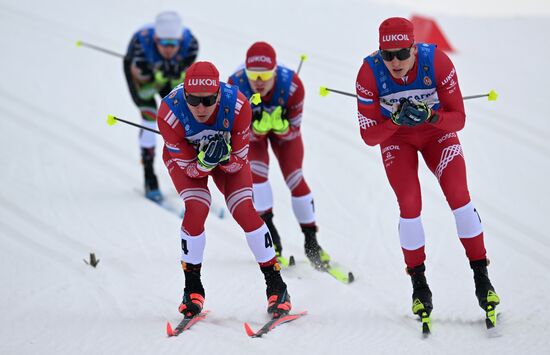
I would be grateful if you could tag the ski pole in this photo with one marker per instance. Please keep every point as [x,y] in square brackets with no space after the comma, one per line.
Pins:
[97,48]
[303,58]
[324,91]
[491,95]
[111,120]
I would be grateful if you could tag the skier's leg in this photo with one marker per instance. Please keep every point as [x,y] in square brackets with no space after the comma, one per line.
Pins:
[196,197]
[237,189]
[147,139]
[262,192]
[290,155]
[445,159]
[401,164]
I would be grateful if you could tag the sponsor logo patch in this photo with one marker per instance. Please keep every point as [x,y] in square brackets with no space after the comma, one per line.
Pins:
[260,59]
[396,37]
[390,148]
[202,82]
[363,90]
[427,81]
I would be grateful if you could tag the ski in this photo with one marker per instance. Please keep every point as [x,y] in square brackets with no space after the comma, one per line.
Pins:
[426,324]
[185,324]
[286,262]
[333,269]
[336,271]
[490,311]
[274,322]
[491,316]
[340,274]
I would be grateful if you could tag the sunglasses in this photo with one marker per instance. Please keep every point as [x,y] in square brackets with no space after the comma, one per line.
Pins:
[197,100]
[401,54]
[168,42]
[257,75]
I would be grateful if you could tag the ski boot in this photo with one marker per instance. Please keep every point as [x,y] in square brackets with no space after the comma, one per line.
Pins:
[278,299]
[268,219]
[317,256]
[485,292]
[421,297]
[193,294]
[152,191]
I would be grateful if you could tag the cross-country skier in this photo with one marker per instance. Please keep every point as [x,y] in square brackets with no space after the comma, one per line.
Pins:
[205,124]
[276,122]
[155,62]
[409,101]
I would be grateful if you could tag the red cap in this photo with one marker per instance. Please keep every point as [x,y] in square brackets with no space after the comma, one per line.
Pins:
[261,56]
[396,32]
[202,77]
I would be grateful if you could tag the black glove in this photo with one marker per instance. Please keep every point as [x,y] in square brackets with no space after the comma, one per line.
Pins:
[257,111]
[217,151]
[170,69]
[411,113]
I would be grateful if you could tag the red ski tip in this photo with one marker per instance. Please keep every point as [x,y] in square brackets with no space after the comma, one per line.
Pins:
[169,330]
[248,330]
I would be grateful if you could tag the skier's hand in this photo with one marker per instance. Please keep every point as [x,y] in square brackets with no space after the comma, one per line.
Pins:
[147,91]
[217,151]
[160,79]
[416,112]
[396,112]
[257,112]
[175,82]
[410,113]
[278,123]
[262,126]
[226,138]
[171,69]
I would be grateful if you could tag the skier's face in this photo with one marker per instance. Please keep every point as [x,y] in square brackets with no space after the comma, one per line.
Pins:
[261,83]
[399,67]
[206,103]
[167,48]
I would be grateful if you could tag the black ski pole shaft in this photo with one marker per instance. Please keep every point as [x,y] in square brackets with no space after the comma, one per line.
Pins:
[97,48]
[492,95]
[111,120]
[474,96]
[303,58]
[325,91]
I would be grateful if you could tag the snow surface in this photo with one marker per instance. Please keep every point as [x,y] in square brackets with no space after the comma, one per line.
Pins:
[68,188]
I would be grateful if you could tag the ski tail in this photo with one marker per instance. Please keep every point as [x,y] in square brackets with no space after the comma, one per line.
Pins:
[185,324]
[274,322]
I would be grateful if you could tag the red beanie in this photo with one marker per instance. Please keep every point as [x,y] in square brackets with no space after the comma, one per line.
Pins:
[396,32]
[261,56]
[202,77]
